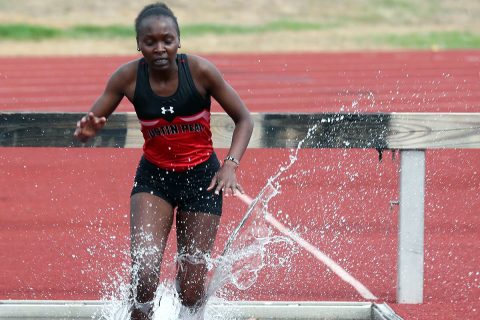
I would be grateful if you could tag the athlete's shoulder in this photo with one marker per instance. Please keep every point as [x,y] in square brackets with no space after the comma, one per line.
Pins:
[199,64]
[128,69]
[202,70]
[124,78]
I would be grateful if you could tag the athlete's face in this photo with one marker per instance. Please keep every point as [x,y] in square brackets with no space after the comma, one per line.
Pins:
[158,41]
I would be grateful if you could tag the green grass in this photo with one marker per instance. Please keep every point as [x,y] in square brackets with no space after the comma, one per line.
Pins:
[115,31]
[30,32]
[27,32]
[440,40]
[425,40]
[36,32]
[201,29]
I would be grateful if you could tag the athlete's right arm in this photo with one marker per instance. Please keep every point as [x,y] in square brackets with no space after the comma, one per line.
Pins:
[106,103]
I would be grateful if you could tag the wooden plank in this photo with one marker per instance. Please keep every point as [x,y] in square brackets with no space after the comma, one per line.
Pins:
[434,130]
[272,130]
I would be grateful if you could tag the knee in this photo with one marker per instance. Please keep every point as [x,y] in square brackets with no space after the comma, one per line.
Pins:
[191,279]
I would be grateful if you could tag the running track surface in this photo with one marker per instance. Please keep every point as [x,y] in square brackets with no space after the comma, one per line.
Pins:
[64,212]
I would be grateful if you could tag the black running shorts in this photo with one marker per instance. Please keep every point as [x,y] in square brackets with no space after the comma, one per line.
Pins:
[185,190]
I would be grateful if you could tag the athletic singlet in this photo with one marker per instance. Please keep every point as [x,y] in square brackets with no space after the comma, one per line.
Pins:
[176,129]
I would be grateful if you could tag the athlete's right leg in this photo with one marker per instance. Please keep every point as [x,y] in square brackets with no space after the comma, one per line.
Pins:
[151,219]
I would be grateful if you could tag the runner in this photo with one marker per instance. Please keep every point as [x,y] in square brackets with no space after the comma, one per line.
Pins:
[179,171]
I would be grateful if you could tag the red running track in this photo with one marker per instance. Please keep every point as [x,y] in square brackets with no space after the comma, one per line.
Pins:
[309,82]
[64,212]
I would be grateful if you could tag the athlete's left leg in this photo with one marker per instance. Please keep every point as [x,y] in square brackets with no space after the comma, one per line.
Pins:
[196,234]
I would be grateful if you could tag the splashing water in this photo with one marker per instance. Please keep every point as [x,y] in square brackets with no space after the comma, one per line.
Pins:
[240,263]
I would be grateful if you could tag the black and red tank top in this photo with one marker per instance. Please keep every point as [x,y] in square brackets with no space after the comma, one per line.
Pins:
[176,128]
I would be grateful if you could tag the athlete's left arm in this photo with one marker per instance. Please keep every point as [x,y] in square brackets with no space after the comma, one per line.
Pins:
[230,101]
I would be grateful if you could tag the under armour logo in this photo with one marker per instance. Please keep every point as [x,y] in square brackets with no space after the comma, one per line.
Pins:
[164,110]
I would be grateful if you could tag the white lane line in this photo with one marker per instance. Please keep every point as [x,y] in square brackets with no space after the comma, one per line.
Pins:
[342,273]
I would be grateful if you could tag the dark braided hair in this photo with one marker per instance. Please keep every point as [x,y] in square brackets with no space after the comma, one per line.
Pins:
[155,9]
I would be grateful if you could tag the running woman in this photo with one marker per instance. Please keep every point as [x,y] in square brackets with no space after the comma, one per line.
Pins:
[179,176]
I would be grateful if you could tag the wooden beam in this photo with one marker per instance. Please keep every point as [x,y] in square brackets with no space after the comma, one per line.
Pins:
[272,130]
[434,130]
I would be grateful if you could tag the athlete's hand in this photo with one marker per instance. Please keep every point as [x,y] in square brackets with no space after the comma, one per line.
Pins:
[88,126]
[225,180]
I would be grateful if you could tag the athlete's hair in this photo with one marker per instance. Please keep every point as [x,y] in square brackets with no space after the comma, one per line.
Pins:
[155,9]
